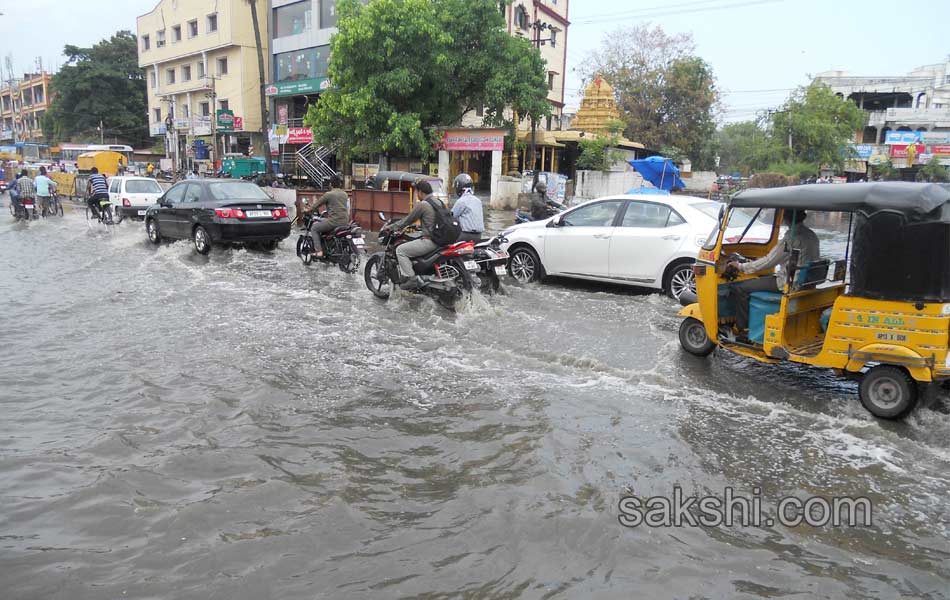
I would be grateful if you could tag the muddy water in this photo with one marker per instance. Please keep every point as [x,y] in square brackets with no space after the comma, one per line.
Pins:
[239,426]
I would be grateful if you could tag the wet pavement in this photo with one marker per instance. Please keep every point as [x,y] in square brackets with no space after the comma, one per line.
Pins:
[240,426]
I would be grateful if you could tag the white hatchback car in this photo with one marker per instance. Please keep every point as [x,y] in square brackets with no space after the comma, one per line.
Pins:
[131,196]
[640,240]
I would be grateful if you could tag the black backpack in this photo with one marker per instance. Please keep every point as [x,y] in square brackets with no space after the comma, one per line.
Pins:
[446,229]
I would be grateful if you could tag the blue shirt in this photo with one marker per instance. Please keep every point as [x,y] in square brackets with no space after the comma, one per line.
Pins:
[468,210]
[43,183]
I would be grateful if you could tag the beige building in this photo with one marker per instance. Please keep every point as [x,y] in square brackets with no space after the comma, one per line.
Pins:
[200,58]
[22,107]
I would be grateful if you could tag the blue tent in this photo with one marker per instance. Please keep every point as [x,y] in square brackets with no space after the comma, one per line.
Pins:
[648,190]
[659,171]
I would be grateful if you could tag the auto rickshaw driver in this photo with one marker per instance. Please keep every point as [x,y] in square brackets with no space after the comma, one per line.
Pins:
[799,238]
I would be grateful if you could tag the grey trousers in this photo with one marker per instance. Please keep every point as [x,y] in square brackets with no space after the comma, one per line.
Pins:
[319,227]
[741,293]
[406,252]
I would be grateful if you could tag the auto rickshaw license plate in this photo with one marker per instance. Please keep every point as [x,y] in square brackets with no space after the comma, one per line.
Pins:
[891,337]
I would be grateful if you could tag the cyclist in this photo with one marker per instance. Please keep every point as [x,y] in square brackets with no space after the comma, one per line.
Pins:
[97,190]
[45,187]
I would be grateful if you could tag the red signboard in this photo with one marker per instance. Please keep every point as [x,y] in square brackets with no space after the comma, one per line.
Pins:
[900,151]
[299,135]
[238,123]
[942,150]
[474,140]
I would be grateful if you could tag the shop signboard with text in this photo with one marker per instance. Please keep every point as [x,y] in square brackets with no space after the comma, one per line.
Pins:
[900,151]
[293,88]
[225,120]
[474,140]
[920,137]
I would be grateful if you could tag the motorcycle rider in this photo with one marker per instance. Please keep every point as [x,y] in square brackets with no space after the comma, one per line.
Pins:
[423,212]
[25,189]
[468,209]
[98,190]
[337,205]
[541,206]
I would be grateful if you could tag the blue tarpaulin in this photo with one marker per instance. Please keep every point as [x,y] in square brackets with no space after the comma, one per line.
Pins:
[648,190]
[659,171]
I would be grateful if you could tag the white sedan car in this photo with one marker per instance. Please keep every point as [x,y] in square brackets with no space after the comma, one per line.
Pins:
[640,240]
[131,196]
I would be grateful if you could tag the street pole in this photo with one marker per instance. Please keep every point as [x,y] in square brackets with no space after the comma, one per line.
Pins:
[268,162]
[538,27]
[101,133]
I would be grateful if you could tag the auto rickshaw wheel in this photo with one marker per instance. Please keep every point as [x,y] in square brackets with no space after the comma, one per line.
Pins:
[888,392]
[694,339]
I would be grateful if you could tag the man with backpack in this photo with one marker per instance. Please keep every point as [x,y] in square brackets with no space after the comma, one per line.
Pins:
[439,228]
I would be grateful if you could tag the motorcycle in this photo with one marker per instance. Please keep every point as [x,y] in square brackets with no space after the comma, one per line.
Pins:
[524,216]
[447,272]
[25,210]
[491,261]
[343,247]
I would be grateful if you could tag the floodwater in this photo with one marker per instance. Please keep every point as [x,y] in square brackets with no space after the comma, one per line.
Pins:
[242,427]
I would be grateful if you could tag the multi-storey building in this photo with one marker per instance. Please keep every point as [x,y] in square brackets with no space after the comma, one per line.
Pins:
[22,106]
[201,64]
[545,23]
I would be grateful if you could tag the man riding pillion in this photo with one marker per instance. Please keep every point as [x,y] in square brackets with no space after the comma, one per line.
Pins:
[338,212]
[424,212]
[98,190]
[468,209]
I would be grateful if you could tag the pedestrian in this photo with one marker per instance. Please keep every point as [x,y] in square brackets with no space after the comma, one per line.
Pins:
[150,169]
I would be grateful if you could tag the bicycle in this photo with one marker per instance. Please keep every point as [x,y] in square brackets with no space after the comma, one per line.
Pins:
[102,216]
[53,208]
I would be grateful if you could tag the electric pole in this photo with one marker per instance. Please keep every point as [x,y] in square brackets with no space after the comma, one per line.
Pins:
[538,27]
[268,163]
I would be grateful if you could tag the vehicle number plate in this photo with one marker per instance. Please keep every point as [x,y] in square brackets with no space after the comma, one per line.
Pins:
[891,337]
[471,265]
[359,242]
[142,213]
[501,270]
[259,213]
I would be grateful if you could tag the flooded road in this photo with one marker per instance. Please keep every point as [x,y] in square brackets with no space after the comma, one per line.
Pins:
[242,427]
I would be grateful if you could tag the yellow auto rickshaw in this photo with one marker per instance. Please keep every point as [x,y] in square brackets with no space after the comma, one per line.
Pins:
[880,315]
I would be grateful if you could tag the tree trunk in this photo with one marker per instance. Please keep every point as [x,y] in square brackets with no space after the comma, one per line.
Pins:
[268,160]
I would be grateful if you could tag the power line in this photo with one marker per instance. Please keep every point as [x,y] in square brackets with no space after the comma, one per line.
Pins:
[666,13]
[647,9]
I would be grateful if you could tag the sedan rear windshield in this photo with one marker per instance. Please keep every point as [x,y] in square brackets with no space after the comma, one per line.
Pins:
[142,186]
[237,190]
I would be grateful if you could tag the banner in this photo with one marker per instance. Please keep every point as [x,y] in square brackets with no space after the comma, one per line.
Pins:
[299,135]
[918,137]
[225,119]
[900,151]
[474,140]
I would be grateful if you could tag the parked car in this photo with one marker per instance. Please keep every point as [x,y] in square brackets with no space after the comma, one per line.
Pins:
[131,196]
[639,240]
[210,211]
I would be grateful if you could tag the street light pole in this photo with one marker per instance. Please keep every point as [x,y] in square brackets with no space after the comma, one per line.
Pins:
[538,26]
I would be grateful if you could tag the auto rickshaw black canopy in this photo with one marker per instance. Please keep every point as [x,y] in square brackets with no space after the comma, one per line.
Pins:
[918,201]
[901,246]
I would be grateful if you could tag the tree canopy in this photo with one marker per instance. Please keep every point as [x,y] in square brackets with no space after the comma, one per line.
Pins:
[667,95]
[400,69]
[102,83]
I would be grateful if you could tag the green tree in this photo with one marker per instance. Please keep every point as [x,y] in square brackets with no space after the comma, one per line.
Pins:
[819,124]
[933,172]
[886,171]
[402,68]
[99,84]
[667,95]
[746,147]
[600,152]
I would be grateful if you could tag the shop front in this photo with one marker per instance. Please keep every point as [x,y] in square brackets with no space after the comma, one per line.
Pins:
[478,152]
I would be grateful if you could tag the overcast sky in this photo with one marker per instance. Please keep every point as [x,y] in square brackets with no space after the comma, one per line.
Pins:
[759,49]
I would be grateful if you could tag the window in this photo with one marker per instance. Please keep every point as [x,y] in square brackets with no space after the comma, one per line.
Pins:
[746,226]
[201,70]
[223,65]
[550,81]
[146,43]
[554,38]
[114,186]
[193,28]
[292,19]
[549,122]
[185,111]
[151,78]
[223,104]
[599,214]
[205,109]
[142,186]
[238,190]
[186,73]
[157,115]
[160,39]
[192,194]
[38,94]
[170,76]
[327,14]
[175,195]
[521,17]
[212,22]
[648,214]
[176,33]
[302,64]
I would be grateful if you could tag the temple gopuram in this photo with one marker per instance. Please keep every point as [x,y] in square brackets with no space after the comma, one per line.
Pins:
[598,108]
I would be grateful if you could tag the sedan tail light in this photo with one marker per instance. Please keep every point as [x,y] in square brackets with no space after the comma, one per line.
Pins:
[125,202]
[230,213]
[279,213]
